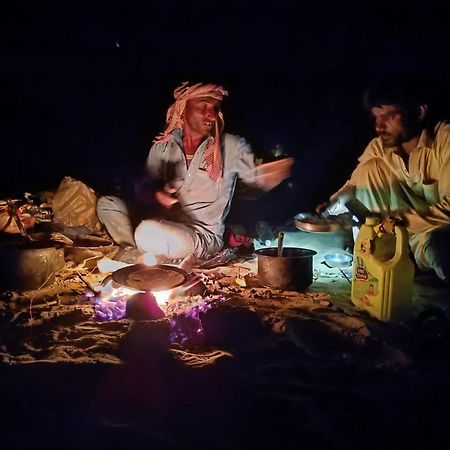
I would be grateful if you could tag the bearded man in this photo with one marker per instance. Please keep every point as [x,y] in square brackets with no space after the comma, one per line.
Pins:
[191,175]
[405,172]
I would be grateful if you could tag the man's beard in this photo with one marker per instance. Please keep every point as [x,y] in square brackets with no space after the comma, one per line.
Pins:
[405,134]
[390,141]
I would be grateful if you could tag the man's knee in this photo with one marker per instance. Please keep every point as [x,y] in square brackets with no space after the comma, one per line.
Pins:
[103,204]
[146,229]
[438,252]
[166,238]
[108,204]
[152,236]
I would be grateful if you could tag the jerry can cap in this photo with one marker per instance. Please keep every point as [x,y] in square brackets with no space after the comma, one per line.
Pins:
[372,220]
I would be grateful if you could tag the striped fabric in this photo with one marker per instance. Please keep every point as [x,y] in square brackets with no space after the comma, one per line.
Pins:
[174,119]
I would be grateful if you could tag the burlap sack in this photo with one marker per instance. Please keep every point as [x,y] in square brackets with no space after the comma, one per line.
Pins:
[74,204]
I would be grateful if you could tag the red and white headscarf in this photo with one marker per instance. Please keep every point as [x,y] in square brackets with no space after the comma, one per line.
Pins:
[174,119]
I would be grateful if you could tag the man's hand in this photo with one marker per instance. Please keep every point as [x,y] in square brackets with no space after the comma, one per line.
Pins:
[268,175]
[337,200]
[166,198]
[321,207]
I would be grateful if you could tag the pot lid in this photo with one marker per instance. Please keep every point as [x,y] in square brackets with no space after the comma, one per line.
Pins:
[150,278]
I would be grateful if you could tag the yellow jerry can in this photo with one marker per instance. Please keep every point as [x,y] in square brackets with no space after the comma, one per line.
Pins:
[383,273]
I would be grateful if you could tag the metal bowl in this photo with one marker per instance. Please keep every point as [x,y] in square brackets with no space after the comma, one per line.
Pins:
[338,259]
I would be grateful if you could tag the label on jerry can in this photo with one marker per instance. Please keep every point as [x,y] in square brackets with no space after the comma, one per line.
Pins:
[365,286]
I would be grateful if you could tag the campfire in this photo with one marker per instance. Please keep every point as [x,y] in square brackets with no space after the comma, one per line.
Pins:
[159,292]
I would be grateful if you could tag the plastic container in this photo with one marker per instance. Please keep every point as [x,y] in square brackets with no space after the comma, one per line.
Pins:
[383,273]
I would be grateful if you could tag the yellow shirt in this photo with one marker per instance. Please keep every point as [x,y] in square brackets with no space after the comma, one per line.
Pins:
[425,181]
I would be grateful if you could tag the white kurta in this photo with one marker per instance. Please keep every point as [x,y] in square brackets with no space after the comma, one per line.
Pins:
[197,224]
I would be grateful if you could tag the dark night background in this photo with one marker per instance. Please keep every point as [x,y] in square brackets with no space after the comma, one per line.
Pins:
[84,88]
[85,84]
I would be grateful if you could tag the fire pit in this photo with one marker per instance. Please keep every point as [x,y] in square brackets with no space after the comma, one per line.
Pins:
[160,292]
[161,281]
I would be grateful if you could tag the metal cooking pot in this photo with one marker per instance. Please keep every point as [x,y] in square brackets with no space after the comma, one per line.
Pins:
[29,268]
[291,271]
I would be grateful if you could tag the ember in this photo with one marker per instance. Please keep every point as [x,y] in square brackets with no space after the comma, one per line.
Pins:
[111,302]
[107,310]
[185,323]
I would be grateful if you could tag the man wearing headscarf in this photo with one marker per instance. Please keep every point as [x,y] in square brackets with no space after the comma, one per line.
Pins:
[192,170]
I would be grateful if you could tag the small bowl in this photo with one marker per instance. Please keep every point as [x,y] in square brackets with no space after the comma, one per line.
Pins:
[338,259]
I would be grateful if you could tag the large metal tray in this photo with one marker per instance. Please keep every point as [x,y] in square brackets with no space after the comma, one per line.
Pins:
[150,278]
[315,223]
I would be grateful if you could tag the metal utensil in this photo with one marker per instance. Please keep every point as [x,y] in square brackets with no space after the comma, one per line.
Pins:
[280,243]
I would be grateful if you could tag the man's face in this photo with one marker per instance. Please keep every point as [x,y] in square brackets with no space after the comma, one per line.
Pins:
[391,125]
[200,115]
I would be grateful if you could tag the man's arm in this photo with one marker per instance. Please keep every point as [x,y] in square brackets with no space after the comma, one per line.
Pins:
[438,213]
[149,189]
[263,176]
[346,193]
[266,176]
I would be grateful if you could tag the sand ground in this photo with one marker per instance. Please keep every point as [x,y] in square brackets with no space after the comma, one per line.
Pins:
[272,369]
